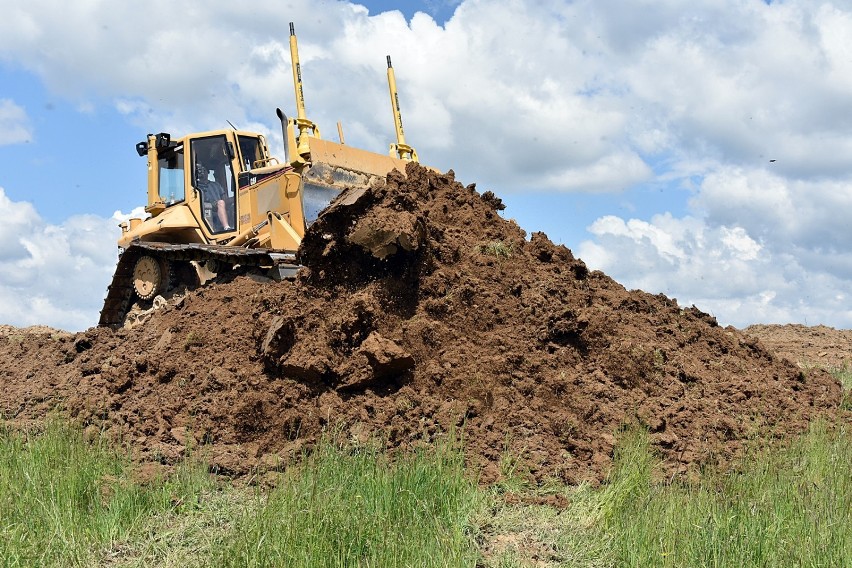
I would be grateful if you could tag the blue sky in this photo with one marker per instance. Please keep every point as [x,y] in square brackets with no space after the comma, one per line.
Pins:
[75,160]
[641,136]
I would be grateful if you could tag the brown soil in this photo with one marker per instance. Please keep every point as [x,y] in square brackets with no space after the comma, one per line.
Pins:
[419,311]
[809,347]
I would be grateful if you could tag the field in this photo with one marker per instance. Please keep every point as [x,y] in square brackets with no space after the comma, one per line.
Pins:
[68,502]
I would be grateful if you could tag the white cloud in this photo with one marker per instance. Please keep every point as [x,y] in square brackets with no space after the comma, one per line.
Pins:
[470,91]
[54,275]
[785,212]
[723,270]
[611,171]
[602,90]
[14,123]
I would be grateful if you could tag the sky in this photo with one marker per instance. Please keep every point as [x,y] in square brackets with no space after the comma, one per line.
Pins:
[701,150]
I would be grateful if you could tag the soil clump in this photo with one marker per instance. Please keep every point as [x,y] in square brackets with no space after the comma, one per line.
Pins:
[420,311]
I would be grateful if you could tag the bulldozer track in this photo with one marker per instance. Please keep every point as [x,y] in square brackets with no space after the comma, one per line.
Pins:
[120,290]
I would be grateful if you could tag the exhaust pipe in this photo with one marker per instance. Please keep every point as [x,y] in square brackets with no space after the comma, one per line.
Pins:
[283,118]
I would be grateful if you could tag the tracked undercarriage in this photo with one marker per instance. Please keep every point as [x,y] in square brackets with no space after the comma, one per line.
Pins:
[146,270]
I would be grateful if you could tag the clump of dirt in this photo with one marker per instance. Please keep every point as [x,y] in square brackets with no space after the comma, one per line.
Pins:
[420,310]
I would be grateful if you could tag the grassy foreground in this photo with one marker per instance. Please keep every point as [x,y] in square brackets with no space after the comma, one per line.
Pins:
[66,502]
[352,508]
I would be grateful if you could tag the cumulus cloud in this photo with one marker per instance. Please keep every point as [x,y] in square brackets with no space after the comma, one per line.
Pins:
[53,275]
[723,269]
[811,214]
[470,90]
[716,74]
[588,96]
[680,257]
[594,103]
[14,123]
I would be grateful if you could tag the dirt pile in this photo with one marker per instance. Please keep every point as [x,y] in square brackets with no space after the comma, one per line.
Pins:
[816,346]
[420,310]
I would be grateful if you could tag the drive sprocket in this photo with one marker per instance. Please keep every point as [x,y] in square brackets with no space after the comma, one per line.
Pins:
[150,277]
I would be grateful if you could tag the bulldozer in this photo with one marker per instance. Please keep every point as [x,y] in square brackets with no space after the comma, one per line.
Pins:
[218,200]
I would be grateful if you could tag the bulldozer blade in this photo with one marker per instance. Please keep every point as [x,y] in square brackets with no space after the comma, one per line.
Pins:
[335,167]
[353,159]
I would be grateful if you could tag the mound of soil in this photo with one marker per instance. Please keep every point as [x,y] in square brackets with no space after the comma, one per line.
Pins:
[420,310]
[816,346]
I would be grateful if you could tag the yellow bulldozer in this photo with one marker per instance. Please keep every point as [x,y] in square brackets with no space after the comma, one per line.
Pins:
[217,200]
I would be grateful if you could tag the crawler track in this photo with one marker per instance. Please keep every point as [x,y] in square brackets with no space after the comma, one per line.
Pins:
[120,291]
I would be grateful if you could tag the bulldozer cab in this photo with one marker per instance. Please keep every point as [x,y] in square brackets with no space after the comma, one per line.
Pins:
[202,167]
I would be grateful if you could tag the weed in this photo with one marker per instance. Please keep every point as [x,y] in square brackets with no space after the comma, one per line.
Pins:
[63,501]
[67,502]
[352,507]
[514,472]
[781,507]
[498,249]
[659,361]
[844,375]
[193,339]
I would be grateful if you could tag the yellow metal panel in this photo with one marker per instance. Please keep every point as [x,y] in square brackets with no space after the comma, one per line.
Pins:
[280,194]
[282,235]
[355,159]
[174,219]
[270,196]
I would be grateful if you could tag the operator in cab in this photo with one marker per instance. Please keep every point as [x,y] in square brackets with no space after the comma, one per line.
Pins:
[212,197]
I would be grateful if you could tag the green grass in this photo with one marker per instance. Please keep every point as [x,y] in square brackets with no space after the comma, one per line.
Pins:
[782,507]
[844,375]
[785,507]
[68,502]
[350,507]
[65,502]
[499,249]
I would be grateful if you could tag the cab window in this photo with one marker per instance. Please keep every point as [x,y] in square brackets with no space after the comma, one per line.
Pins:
[213,177]
[251,152]
[170,163]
